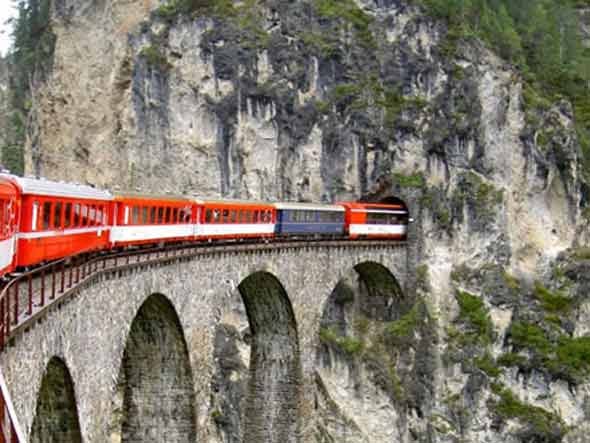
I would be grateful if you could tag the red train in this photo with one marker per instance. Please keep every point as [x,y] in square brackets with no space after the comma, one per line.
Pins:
[42,220]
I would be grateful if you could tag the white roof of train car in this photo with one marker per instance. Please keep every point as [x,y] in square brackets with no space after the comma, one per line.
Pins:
[50,188]
[308,207]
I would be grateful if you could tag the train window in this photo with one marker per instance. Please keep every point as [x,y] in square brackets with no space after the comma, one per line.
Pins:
[208,215]
[160,215]
[99,215]
[135,215]
[174,215]
[215,218]
[167,211]
[232,216]
[83,215]
[144,215]
[46,215]
[152,215]
[91,215]
[76,215]
[255,217]
[68,215]
[186,215]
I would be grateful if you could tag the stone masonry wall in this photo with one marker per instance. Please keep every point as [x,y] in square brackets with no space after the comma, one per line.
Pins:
[90,331]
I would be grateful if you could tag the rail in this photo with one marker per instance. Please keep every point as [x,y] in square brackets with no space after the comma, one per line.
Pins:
[25,298]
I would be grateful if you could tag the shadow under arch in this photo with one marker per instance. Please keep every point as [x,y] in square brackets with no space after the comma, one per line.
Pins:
[382,297]
[56,415]
[354,356]
[367,293]
[155,399]
[272,411]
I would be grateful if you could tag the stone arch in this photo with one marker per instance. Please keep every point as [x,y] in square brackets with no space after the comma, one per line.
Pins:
[272,397]
[353,360]
[155,399]
[368,290]
[56,416]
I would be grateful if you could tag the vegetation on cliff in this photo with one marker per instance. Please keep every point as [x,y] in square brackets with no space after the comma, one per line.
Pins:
[542,38]
[30,59]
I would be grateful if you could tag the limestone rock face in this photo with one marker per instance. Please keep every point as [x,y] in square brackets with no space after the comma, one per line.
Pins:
[287,101]
[3,100]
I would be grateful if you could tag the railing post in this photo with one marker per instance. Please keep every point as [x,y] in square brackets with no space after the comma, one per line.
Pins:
[52,282]
[70,274]
[16,297]
[63,277]
[30,291]
[77,272]
[42,297]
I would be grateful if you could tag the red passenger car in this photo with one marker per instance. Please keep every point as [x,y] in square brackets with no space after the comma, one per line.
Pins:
[237,219]
[142,219]
[9,212]
[374,220]
[59,219]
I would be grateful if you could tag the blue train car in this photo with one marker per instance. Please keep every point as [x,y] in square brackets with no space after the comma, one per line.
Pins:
[309,219]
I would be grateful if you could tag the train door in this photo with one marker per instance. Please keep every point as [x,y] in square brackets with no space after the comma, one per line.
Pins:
[8,223]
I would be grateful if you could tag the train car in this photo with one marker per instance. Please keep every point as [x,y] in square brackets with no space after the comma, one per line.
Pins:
[235,220]
[9,212]
[308,219]
[373,220]
[140,219]
[59,219]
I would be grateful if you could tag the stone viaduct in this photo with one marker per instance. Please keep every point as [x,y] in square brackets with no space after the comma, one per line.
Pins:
[144,355]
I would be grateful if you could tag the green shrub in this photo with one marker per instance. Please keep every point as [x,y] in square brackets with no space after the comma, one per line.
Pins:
[406,325]
[527,335]
[572,356]
[538,419]
[415,180]
[487,364]
[474,312]
[348,345]
[154,57]
[552,301]
[511,359]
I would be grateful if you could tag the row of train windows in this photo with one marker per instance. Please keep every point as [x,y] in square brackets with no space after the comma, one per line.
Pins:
[144,215]
[375,218]
[67,215]
[238,216]
[6,218]
[308,216]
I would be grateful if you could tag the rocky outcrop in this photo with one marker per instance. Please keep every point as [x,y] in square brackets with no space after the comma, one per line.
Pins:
[325,101]
[4,104]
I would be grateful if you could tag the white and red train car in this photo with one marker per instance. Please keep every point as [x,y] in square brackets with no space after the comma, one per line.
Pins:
[9,212]
[54,220]
[141,219]
[235,220]
[42,220]
[373,220]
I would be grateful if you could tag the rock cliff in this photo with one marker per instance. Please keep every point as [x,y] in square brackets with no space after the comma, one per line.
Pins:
[312,101]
